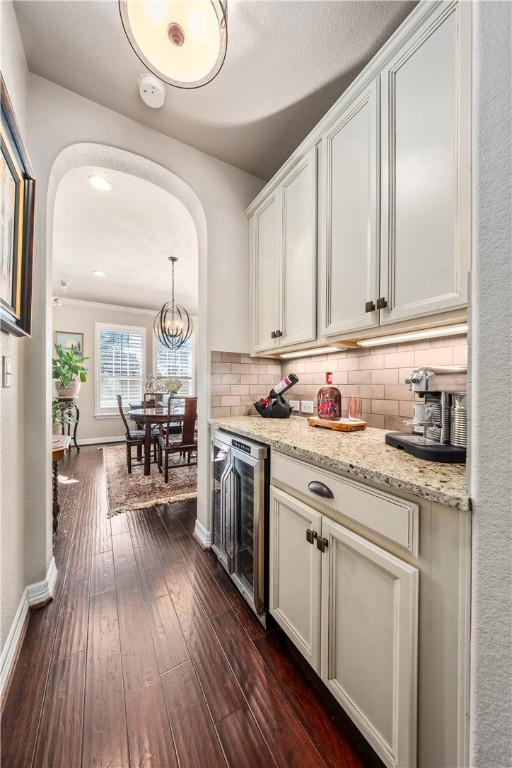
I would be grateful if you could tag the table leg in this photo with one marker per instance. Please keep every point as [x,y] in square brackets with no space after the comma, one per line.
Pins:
[56,507]
[147,449]
[77,419]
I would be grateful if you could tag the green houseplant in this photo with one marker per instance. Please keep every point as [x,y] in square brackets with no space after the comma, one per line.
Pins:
[68,371]
[61,416]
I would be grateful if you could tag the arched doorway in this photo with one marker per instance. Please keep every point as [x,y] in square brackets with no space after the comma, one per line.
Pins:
[107,157]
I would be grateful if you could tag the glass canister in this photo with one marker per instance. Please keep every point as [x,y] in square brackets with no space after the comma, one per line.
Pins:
[329,403]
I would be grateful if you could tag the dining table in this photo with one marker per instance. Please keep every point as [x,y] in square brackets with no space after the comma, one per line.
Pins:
[147,418]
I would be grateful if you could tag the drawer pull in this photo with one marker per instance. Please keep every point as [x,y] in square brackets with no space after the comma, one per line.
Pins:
[320,489]
[311,536]
[322,544]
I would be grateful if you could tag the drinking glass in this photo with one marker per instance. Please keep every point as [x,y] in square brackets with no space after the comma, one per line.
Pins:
[355,408]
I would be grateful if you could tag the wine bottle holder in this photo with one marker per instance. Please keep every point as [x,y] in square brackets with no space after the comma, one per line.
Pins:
[278,408]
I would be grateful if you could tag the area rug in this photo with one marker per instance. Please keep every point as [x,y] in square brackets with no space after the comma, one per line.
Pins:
[136,491]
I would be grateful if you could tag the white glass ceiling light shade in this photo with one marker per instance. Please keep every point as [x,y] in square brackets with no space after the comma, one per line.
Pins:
[183,42]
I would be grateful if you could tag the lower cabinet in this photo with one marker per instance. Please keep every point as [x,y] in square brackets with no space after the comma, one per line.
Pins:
[354,606]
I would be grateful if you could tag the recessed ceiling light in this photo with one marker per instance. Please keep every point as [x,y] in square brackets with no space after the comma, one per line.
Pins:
[100,183]
[99,273]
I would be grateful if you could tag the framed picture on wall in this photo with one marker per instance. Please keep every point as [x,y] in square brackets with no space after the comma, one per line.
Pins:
[17,188]
[70,341]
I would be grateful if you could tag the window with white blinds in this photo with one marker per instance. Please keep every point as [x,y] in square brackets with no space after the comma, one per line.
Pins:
[120,366]
[179,364]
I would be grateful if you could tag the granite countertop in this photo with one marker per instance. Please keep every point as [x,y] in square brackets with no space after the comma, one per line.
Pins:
[362,454]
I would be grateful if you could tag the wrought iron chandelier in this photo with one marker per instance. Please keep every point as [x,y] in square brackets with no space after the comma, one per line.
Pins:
[172,325]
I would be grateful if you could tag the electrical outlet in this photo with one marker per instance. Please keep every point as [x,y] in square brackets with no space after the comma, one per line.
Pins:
[306,406]
[295,404]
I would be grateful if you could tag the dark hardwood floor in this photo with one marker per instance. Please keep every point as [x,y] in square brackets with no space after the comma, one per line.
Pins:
[148,656]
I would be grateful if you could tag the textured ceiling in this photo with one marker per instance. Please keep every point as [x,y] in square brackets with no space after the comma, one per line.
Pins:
[128,233]
[286,63]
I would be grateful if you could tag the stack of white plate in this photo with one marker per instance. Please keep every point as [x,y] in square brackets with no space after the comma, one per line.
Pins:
[459,423]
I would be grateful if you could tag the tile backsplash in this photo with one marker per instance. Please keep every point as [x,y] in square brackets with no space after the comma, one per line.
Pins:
[377,375]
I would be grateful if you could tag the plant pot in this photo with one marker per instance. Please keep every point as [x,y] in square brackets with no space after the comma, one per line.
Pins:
[70,392]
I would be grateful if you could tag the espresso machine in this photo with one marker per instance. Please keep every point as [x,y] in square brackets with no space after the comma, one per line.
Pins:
[442,435]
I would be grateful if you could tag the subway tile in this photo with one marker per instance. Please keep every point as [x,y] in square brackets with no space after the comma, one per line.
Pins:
[374,420]
[347,364]
[383,350]
[460,355]
[359,377]
[395,423]
[274,369]
[221,368]
[399,359]
[254,368]
[239,389]
[265,378]
[452,341]
[371,362]
[249,378]
[220,389]
[216,378]
[398,392]
[406,408]
[241,410]
[223,411]
[358,352]
[257,389]
[231,378]
[436,356]
[215,401]
[230,357]
[385,407]
[340,377]
[373,391]
[215,357]
[403,374]
[230,400]
[385,376]
[240,368]
[349,390]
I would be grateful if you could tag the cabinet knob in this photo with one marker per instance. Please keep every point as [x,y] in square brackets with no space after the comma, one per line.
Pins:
[381,303]
[370,306]
[273,335]
[322,544]
[320,489]
[278,334]
[311,536]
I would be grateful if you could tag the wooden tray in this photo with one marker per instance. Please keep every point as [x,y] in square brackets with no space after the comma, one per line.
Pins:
[343,425]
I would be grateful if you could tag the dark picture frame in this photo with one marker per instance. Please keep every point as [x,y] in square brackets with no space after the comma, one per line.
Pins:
[17,189]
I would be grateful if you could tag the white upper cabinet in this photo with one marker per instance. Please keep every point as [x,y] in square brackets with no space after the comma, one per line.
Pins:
[349,272]
[298,200]
[425,170]
[265,234]
[283,256]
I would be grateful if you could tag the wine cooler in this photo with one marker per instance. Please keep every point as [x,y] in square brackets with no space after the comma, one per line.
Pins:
[239,488]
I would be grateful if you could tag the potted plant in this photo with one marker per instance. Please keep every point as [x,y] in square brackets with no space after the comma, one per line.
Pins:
[60,417]
[68,372]
[173,386]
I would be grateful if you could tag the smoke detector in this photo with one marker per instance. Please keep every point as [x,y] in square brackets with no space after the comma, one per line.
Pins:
[151,91]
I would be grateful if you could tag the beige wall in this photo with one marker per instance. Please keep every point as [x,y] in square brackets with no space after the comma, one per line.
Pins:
[81,318]
[377,375]
[14,549]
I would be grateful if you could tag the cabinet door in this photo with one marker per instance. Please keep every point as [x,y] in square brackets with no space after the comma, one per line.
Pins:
[425,169]
[369,640]
[349,212]
[295,563]
[265,233]
[298,202]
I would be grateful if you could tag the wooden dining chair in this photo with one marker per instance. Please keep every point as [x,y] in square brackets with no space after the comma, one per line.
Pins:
[184,444]
[135,437]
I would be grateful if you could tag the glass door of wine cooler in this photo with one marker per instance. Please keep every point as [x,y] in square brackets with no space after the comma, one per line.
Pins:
[248,503]
[221,502]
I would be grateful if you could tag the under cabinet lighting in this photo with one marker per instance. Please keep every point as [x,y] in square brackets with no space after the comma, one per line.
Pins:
[428,333]
[310,352]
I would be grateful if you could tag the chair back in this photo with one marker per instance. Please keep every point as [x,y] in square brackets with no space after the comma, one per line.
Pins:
[189,421]
[153,399]
[120,406]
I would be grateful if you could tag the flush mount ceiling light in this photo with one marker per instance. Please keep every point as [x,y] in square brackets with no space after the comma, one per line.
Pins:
[172,325]
[183,42]
[100,183]
[99,273]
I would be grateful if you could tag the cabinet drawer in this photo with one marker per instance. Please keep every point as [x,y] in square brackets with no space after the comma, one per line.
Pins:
[389,516]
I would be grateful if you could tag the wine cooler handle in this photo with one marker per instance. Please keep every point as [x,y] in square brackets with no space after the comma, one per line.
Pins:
[320,489]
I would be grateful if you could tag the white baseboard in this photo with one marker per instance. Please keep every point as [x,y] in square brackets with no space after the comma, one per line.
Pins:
[33,594]
[203,536]
[101,440]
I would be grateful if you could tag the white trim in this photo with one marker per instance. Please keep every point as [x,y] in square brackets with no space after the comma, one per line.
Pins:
[101,440]
[32,595]
[98,328]
[203,536]
[109,307]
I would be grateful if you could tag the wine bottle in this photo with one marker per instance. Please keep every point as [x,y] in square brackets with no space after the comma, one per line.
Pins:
[284,385]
